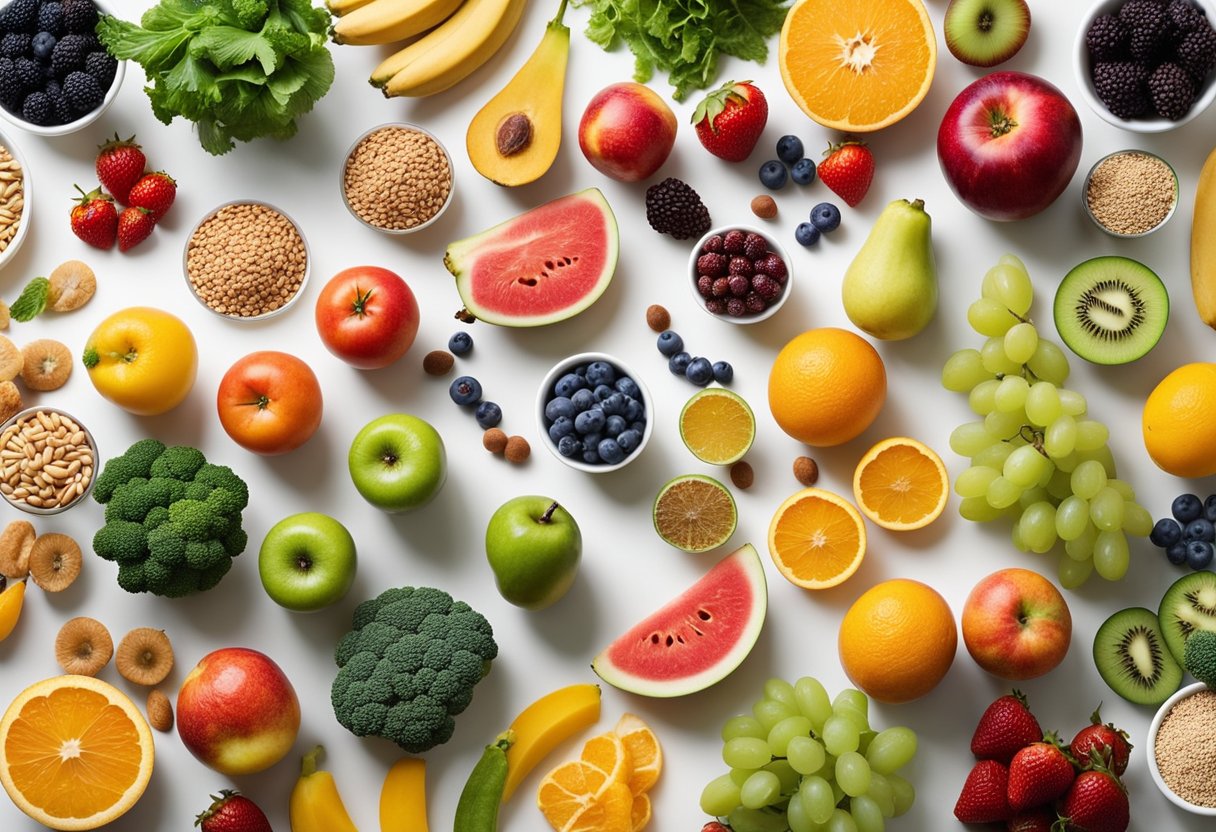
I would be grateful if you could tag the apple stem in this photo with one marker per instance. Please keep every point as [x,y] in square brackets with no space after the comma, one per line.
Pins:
[1000,123]
[359,307]
[548,515]
[308,764]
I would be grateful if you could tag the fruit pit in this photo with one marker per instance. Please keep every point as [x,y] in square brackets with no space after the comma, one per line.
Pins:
[397,179]
[1185,749]
[1131,193]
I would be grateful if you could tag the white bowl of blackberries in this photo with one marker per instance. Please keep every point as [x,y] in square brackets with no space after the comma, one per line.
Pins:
[55,76]
[1147,65]
[739,274]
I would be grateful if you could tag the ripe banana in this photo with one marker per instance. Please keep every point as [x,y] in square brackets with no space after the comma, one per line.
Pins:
[340,7]
[1203,244]
[389,21]
[403,797]
[545,724]
[316,805]
[451,51]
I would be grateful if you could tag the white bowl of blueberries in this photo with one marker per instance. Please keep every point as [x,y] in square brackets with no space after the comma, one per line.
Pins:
[594,413]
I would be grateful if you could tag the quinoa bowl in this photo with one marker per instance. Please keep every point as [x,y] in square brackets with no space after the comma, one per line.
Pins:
[396,178]
[1173,735]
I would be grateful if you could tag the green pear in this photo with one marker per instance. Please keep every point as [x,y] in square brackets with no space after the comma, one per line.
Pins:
[890,288]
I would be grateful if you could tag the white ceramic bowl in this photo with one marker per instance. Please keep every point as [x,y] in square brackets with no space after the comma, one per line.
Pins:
[1150,749]
[27,191]
[406,126]
[773,245]
[89,440]
[1111,232]
[546,387]
[1081,66]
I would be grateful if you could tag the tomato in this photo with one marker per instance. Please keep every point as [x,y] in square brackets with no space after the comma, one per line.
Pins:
[367,316]
[142,359]
[269,402]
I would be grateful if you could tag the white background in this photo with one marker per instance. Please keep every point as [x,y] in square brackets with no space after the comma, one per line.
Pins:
[627,570]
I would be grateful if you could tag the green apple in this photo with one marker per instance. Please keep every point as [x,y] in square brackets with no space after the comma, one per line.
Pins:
[307,561]
[397,462]
[533,546]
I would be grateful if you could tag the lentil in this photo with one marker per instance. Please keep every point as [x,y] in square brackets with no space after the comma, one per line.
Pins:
[742,475]
[806,471]
[246,260]
[1186,749]
[658,318]
[45,461]
[12,197]
[1131,193]
[397,178]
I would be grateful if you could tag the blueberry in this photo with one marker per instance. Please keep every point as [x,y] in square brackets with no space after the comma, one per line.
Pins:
[614,405]
[1165,533]
[699,371]
[614,426]
[582,400]
[488,415]
[723,372]
[1200,529]
[465,391]
[629,440]
[678,363]
[1199,554]
[628,386]
[569,447]
[600,372]
[559,406]
[1186,507]
[43,45]
[826,217]
[602,392]
[772,175]
[1209,508]
[789,149]
[803,172]
[610,451]
[562,426]
[1176,554]
[568,384]
[592,439]
[806,234]
[670,342]
[639,425]
[634,410]
[460,343]
[580,370]
[591,456]
[589,421]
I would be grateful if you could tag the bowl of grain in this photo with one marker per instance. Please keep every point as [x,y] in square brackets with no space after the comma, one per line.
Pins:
[15,197]
[1130,193]
[48,459]
[1181,749]
[246,261]
[397,178]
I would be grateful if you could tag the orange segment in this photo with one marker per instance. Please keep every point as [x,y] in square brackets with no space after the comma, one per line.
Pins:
[75,753]
[640,814]
[644,751]
[577,795]
[608,754]
[817,539]
[901,484]
[611,813]
[717,426]
[859,65]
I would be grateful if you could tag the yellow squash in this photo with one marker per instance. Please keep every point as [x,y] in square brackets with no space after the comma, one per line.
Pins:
[544,725]
[316,805]
[403,797]
[1203,244]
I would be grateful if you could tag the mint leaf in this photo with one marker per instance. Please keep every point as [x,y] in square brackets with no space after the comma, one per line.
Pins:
[32,300]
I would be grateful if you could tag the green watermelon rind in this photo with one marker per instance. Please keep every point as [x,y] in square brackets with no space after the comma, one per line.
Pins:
[457,257]
[756,584]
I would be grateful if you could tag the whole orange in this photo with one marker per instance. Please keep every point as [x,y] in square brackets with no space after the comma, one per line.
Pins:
[1179,432]
[898,640]
[827,386]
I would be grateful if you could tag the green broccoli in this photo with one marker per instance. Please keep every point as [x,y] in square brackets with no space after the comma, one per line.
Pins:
[136,462]
[1200,657]
[409,666]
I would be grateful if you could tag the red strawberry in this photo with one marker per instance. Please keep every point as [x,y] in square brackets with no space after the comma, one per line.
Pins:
[1110,744]
[155,192]
[730,119]
[1036,820]
[120,164]
[95,219]
[134,226]
[983,799]
[1005,728]
[848,170]
[1038,774]
[231,811]
[1096,802]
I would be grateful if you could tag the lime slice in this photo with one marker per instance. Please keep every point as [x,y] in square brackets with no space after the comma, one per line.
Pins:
[695,513]
[717,426]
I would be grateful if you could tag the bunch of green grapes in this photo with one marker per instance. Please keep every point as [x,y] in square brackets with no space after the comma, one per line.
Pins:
[801,762]
[1036,456]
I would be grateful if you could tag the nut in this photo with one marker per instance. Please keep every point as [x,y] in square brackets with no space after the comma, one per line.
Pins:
[45,461]
[806,471]
[514,134]
[160,710]
[517,450]
[742,475]
[658,318]
[764,207]
[494,440]
[438,363]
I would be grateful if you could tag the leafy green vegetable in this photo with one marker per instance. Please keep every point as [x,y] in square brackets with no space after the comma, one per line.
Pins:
[32,300]
[239,69]
[685,37]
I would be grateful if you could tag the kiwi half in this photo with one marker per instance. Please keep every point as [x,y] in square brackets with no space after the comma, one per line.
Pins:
[986,32]
[1111,310]
[1132,657]
[1188,605]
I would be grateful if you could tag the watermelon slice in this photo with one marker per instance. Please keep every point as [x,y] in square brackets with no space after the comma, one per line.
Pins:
[697,639]
[544,266]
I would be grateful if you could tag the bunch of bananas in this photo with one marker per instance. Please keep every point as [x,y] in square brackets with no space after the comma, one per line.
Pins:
[448,39]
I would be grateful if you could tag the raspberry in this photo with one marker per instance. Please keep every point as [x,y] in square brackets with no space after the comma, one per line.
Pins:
[705,286]
[732,243]
[754,247]
[713,245]
[773,266]
[741,265]
[716,306]
[711,264]
[736,308]
[766,287]
[721,287]
[755,303]
[739,285]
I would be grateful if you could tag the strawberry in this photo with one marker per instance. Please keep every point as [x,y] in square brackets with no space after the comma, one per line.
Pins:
[730,119]
[134,226]
[1038,774]
[1005,728]
[95,219]
[983,799]
[848,170]
[120,164]
[1096,802]
[230,811]
[155,192]
[1036,820]
[1108,742]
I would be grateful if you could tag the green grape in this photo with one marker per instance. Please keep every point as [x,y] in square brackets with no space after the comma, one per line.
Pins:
[786,775]
[780,690]
[761,789]
[1091,435]
[798,819]
[1038,527]
[1002,493]
[1045,478]
[719,796]
[1030,496]
[1020,342]
[1074,573]
[858,701]
[1072,516]
[980,399]
[1043,404]
[784,731]
[1004,425]
[963,370]
[1123,487]
[1068,464]
[1059,486]
[863,742]
[992,355]
[746,752]
[1060,438]
[840,734]
[1106,509]
[1082,548]
[990,317]
[1049,363]
[892,749]
[993,456]
[817,798]
[813,702]
[978,510]
[974,481]
[1015,537]
[770,712]
[905,793]
[1088,478]
[1072,402]
[1102,455]
[969,438]
[742,726]
[847,711]
[1012,260]
[805,754]
[1011,394]
[841,821]
[1136,520]
[1111,557]
[853,773]
[743,819]
[829,771]
[867,814]
[1025,466]
[739,776]
[1009,285]
[882,793]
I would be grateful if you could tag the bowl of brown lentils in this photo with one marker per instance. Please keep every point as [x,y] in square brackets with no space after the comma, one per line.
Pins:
[47,460]
[397,178]
[247,261]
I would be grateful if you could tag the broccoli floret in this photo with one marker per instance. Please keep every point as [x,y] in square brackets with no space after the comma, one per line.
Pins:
[234,541]
[156,517]
[135,462]
[208,579]
[131,501]
[121,541]
[168,490]
[193,519]
[1200,657]
[179,463]
[131,577]
[221,476]
[409,666]
[201,555]
[166,545]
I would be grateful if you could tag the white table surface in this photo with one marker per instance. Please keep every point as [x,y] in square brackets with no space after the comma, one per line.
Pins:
[627,571]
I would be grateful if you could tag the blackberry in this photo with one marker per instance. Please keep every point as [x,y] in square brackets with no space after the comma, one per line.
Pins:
[673,207]
[1146,24]
[1106,38]
[11,89]
[102,66]
[20,16]
[43,45]
[1172,90]
[29,73]
[1121,86]
[15,45]
[1184,17]
[50,18]
[83,92]
[79,16]
[63,109]
[1197,52]
[38,109]
[69,54]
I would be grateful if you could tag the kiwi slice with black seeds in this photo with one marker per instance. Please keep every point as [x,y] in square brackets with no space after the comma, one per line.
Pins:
[1133,659]
[1188,606]
[1111,310]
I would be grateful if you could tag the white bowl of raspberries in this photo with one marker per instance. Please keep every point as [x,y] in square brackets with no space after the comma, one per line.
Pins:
[739,274]
[55,76]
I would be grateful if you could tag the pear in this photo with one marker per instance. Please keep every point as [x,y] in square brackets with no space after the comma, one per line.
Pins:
[890,288]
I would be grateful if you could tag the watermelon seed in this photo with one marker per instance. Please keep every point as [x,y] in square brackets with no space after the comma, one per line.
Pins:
[703,615]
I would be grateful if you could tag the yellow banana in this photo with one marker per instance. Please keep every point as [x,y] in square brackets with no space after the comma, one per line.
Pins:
[403,797]
[11,601]
[389,21]
[316,805]
[545,724]
[340,7]
[1203,244]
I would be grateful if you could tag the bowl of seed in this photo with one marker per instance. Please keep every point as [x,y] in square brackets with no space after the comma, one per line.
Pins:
[1181,749]
[1130,193]
[246,261]
[397,178]
[15,193]
[47,458]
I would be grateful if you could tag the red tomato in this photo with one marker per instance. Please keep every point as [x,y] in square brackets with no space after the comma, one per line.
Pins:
[367,316]
[269,402]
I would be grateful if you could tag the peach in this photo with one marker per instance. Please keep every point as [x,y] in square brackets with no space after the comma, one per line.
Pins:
[1016,625]
[627,131]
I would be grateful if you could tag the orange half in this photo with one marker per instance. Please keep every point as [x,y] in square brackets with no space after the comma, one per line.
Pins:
[901,484]
[817,539]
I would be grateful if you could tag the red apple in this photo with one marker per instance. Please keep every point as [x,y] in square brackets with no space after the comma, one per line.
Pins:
[627,131]
[1016,625]
[367,316]
[237,712]
[269,402]
[1009,145]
